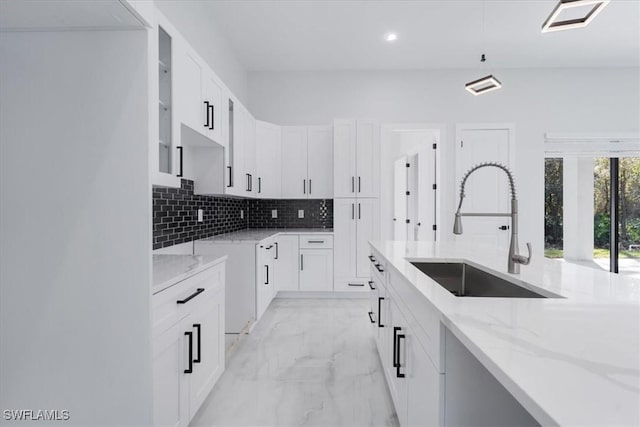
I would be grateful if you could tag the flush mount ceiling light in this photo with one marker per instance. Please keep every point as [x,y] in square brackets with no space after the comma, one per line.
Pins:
[485,84]
[553,24]
[391,37]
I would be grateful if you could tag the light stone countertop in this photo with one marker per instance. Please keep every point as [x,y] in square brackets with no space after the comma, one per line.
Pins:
[171,269]
[571,361]
[255,235]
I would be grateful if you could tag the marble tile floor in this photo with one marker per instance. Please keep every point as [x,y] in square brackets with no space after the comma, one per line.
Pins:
[308,362]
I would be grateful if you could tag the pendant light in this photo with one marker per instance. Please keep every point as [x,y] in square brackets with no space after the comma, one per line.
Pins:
[487,83]
[552,23]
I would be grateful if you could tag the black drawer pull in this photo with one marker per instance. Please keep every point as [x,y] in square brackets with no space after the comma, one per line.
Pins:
[213,113]
[230,182]
[372,258]
[181,163]
[395,346]
[276,257]
[380,325]
[398,366]
[315,241]
[198,341]
[371,317]
[206,124]
[373,288]
[190,297]
[267,281]
[380,269]
[355,284]
[189,370]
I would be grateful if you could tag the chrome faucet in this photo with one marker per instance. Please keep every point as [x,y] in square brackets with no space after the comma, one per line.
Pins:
[515,259]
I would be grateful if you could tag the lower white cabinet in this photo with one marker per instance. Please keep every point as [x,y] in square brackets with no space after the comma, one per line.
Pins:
[265,280]
[188,345]
[316,269]
[286,262]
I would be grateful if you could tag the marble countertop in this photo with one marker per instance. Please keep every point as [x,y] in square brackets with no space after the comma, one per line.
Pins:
[255,235]
[171,269]
[571,361]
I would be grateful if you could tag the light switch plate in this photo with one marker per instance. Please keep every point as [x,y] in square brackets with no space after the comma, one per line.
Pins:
[301,213]
[200,215]
[274,213]
[241,213]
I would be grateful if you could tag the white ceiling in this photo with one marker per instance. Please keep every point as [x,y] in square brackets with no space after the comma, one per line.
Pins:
[339,35]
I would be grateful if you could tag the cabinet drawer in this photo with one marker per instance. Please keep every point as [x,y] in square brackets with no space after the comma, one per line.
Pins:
[166,311]
[378,266]
[319,241]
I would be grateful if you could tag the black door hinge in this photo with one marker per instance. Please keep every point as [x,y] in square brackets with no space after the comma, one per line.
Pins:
[435,187]
[408,165]
[435,146]
[408,193]
[435,227]
[408,221]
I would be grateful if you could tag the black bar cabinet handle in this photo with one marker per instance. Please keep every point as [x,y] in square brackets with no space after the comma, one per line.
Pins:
[371,317]
[276,257]
[359,184]
[247,189]
[398,366]
[213,120]
[190,297]
[180,174]
[372,258]
[359,211]
[309,186]
[370,282]
[189,370]
[259,184]
[304,186]
[380,325]
[301,262]
[230,182]
[355,284]
[353,184]
[250,182]
[315,241]
[380,269]
[395,346]
[198,341]
[353,211]
[267,281]
[207,124]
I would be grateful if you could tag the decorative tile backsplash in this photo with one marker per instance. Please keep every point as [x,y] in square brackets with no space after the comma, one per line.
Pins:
[175,214]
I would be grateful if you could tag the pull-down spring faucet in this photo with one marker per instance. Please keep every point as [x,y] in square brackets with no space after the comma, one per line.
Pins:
[514,258]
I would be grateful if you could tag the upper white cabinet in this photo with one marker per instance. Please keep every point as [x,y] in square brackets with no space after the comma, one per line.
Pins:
[356,154]
[307,170]
[249,129]
[240,157]
[268,160]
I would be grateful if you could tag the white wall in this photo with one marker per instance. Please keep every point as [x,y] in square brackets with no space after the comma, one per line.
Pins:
[535,100]
[75,252]
[195,21]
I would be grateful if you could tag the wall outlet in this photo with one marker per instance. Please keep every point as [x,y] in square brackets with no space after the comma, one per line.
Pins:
[301,213]
[200,215]
[274,213]
[241,213]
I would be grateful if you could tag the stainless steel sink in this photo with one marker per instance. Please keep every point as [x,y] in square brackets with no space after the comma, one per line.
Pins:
[464,280]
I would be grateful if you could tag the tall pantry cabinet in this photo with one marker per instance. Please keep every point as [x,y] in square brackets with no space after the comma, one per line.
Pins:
[356,160]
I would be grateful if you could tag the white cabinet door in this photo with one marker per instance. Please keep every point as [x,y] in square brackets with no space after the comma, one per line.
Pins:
[268,160]
[397,369]
[344,158]
[344,237]
[366,230]
[286,262]
[294,163]
[212,100]
[170,407]
[316,270]
[207,326]
[320,162]
[367,158]
[264,284]
[238,139]
[425,386]
[250,153]
[191,109]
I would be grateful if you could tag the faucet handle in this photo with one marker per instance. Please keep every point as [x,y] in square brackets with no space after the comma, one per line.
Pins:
[521,259]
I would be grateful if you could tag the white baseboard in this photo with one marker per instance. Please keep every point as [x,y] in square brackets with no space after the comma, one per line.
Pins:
[322,295]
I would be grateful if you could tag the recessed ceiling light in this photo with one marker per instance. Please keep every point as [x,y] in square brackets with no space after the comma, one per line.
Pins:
[551,24]
[391,37]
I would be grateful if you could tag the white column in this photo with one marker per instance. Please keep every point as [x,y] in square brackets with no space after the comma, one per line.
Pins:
[578,208]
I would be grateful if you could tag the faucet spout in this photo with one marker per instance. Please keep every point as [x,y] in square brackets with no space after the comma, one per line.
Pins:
[515,259]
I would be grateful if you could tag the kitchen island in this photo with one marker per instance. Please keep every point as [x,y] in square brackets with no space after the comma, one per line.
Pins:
[573,359]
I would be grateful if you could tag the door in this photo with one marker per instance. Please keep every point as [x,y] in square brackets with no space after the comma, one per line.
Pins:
[237,137]
[207,326]
[400,199]
[344,158]
[425,385]
[398,353]
[249,124]
[192,110]
[344,237]
[169,403]
[286,262]
[294,163]
[413,192]
[366,219]
[268,160]
[320,162]
[367,158]
[264,279]
[212,100]
[316,270]
[487,189]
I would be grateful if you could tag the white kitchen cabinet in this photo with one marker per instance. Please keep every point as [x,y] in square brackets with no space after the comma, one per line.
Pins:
[320,159]
[356,154]
[294,162]
[316,269]
[265,280]
[355,223]
[249,124]
[286,262]
[188,345]
[213,101]
[268,160]
[307,170]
